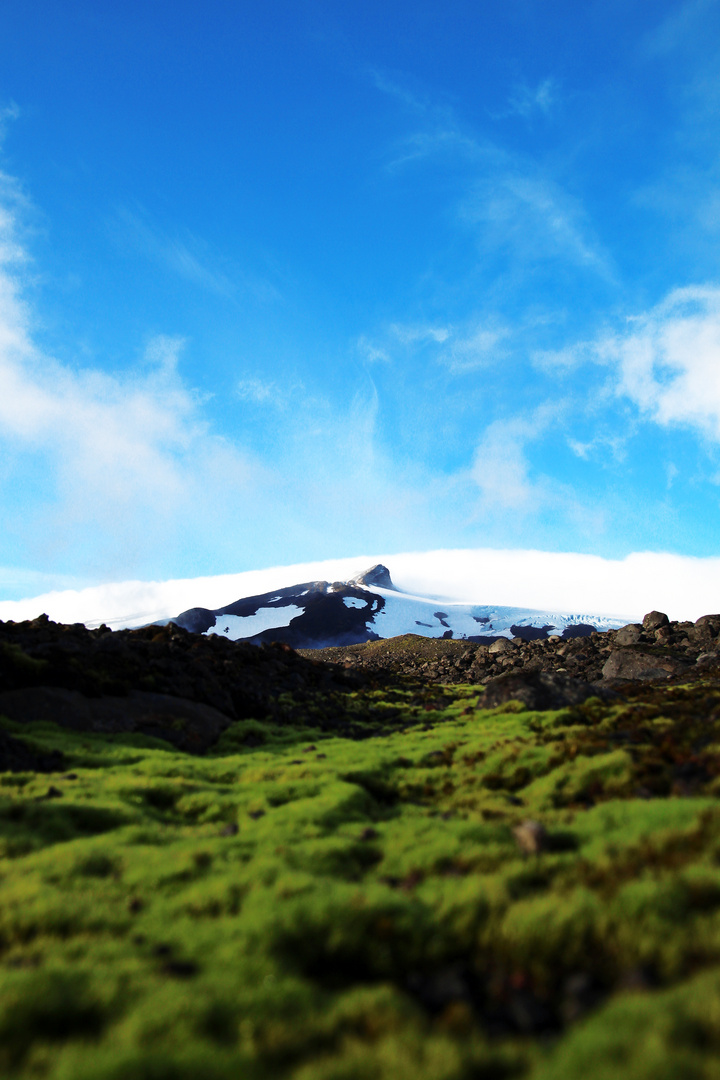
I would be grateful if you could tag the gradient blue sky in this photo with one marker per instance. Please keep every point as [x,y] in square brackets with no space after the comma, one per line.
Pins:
[286,281]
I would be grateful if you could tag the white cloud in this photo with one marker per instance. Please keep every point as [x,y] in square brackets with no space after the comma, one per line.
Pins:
[121,457]
[501,468]
[605,445]
[463,348]
[560,581]
[668,360]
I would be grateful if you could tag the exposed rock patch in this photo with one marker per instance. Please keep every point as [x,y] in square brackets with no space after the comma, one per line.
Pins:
[160,681]
[15,756]
[625,665]
[536,690]
[189,725]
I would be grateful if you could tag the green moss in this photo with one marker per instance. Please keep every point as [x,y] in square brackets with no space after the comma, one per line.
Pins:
[299,906]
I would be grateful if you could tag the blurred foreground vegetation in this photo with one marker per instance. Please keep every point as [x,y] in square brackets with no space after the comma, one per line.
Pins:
[478,894]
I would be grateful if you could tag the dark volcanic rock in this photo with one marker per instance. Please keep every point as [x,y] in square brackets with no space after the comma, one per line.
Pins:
[162,681]
[189,725]
[627,665]
[628,635]
[536,690]
[16,756]
[576,630]
[378,575]
[196,619]
[654,620]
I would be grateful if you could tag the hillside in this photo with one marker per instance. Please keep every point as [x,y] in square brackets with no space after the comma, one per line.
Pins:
[222,860]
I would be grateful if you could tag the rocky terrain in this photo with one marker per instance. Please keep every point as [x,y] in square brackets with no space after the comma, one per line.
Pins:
[188,688]
[653,649]
[159,681]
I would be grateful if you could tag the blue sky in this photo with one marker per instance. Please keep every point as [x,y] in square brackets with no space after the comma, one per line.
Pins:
[286,281]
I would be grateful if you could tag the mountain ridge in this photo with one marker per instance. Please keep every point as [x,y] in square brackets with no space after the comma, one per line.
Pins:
[370,607]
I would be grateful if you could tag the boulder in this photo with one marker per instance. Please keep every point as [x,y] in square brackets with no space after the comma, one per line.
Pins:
[189,725]
[629,635]
[628,665]
[16,756]
[502,645]
[704,632]
[536,690]
[654,620]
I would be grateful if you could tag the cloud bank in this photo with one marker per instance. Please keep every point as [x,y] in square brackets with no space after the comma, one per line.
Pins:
[685,588]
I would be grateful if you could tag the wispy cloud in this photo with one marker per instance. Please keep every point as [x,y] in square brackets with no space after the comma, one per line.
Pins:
[414,334]
[257,391]
[478,347]
[527,100]
[8,113]
[181,253]
[501,467]
[473,344]
[460,349]
[372,352]
[510,203]
[603,446]
[513,487]
[686,22]
[535,219]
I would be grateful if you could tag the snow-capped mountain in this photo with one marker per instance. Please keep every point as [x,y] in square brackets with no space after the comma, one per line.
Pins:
[368,607]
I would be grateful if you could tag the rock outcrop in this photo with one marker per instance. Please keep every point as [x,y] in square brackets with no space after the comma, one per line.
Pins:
[378,575]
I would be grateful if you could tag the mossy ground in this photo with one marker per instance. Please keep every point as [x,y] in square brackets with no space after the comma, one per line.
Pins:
[320,908]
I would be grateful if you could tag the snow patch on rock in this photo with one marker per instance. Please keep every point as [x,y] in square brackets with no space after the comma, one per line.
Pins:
[236,627]
[354,602]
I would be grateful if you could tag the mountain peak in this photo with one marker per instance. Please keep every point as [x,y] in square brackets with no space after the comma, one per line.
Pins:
[378,575]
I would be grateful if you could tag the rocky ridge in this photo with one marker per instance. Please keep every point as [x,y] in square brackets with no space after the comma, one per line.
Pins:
[188,688]
[654,649]
[161,681]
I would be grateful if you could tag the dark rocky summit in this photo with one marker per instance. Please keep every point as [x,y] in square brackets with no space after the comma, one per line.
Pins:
[378,575]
